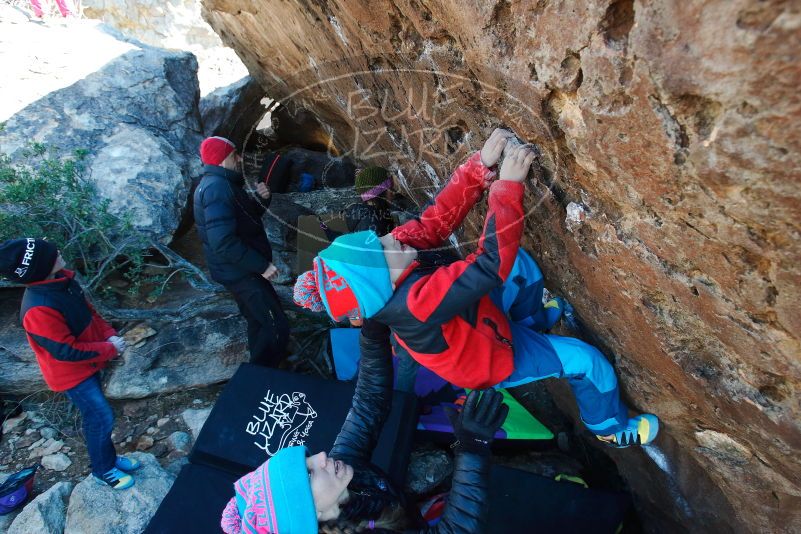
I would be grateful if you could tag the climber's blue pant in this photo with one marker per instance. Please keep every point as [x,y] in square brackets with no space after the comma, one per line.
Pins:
[539,356]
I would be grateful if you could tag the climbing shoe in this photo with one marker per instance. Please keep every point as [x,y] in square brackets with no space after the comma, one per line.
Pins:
[118,480]
[553,311]
[641,430]
[127,464]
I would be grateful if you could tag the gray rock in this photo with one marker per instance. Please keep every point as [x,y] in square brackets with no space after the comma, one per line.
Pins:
[56,462]
[50,446]
[46,513]
[195,418]
[175,467]
[94,507]
[427,470]
[144,443]
[232,111]
[132,107]
[204,347]
[180,441]
[48,432]
[13,422]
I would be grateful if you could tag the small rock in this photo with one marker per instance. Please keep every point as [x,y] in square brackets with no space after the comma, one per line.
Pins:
[427,469]
[144,443]
[56,462]
[12,422]
[163,421]
[48,432]
[159,450]
[138,334]
[197,401]
[26,441]
[134,408]
[48,447]
[176,466]
[180,441]
[195,419]
[29,431]
[38,443]
[151,430]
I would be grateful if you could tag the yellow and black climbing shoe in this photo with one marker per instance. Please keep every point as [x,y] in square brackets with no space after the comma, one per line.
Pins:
[641,430]
[119,480]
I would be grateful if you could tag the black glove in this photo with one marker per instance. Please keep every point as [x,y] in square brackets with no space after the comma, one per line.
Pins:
[375,331]
[475,426]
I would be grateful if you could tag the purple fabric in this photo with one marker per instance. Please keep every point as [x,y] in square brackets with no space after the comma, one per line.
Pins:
[377,190]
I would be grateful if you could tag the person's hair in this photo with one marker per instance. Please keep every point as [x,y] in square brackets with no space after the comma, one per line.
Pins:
[392,517]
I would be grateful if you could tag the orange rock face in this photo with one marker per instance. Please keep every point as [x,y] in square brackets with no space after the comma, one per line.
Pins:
[675,126]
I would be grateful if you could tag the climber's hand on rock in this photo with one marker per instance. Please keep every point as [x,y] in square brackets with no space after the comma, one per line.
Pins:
[263,190]
[517,163]
[270,273]
[493,147]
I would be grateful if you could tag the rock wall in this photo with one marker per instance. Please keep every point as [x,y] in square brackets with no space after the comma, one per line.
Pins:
[670,130]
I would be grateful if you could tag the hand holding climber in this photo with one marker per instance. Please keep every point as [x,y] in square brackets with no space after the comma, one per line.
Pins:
[270,273]
[263,190]
[475,426]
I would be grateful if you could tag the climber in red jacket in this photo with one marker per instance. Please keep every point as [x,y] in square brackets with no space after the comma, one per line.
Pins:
[476,322]
[72,343]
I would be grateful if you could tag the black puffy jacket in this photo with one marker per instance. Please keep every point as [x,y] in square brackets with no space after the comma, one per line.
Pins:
[467,508]
[229,223]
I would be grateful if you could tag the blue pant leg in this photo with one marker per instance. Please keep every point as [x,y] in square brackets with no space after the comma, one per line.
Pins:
[98,422]
[520,297]
[593,381]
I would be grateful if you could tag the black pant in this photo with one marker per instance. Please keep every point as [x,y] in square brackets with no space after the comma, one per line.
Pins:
[268,327]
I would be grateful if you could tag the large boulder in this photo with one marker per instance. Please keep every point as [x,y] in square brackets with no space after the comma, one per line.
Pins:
[132,107]
[94,507]
[674,127]
[19,372]
[232,111]
[174,353]
[46,513]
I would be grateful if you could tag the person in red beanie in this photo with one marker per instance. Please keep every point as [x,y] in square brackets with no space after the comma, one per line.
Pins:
[237,251]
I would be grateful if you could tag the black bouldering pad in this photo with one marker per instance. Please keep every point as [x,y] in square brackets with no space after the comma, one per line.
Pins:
[525,502]
[195,502]
[263,410]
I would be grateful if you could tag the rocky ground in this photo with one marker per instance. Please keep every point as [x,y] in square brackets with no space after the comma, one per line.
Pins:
[48,432]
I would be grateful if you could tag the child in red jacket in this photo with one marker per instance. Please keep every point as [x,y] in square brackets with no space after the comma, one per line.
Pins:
[72,343]
[475,322]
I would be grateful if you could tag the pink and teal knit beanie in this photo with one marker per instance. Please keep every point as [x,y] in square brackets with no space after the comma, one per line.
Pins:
[276,498]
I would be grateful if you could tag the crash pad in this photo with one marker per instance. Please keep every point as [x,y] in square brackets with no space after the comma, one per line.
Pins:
[525,502]
[312,238]
[260,411]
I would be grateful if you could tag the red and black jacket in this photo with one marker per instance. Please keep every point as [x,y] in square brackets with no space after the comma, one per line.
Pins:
[442,314]
[65,332]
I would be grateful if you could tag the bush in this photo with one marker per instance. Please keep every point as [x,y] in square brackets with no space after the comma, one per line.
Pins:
[50,197]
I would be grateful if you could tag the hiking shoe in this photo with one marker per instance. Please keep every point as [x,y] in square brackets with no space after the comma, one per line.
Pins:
[127,464]
[641,430]
[118,480]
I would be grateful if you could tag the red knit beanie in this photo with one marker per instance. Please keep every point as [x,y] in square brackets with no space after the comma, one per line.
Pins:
[213,150]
